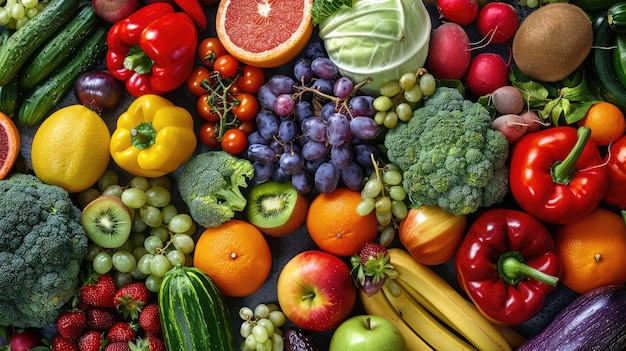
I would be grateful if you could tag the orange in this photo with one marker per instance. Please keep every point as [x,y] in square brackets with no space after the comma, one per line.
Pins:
[9,145]
[264,33]
[70,148]
[592,251]
[235,255]
[606,122]
[336,227]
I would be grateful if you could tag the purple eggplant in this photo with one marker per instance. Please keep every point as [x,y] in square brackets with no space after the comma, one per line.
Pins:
[595,320]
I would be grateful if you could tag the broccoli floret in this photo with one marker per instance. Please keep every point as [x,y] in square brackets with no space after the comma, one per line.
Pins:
[450,155]
[42,245]
[210,184]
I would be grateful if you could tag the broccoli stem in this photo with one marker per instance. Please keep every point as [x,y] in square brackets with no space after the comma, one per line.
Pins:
[231,194]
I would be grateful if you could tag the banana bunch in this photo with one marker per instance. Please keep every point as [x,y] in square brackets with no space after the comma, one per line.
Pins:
[431,315]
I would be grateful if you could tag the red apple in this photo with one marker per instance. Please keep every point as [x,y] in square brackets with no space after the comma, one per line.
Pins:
[315,290]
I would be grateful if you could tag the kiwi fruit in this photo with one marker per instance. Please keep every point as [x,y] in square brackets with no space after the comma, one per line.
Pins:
[276,209]
[107,221]
[552,42]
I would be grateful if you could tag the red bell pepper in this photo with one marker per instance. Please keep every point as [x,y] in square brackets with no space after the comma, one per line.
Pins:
[152,50]
[507,263]
[558,175]
[616,164]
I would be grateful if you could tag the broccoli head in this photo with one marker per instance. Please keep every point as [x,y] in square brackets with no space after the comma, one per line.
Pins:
[450,155]
[210,184]
[42,245]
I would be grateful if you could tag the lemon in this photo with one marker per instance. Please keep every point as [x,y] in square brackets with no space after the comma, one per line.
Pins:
[70,148]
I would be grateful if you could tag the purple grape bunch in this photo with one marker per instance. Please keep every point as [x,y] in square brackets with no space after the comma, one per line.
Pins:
[315,129]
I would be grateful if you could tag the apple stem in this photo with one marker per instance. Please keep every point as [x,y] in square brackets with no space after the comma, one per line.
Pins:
[369,323]
[308,296]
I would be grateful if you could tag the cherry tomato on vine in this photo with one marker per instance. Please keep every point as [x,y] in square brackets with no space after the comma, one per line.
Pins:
[209,49]
[208,134]
[235,88]
[247,108]
[248,126]
[251,79]
[226,65]
[197,76]
[234,141]
[205,110]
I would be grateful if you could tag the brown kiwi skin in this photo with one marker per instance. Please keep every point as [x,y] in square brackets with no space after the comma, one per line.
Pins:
[552,42]
[114,201]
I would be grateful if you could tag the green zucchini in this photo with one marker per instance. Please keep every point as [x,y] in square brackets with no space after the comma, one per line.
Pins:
[602,63]
[194,314]
[9,95]
[619,58]
[20,46]
[47,94]
[59,48]
[616,16]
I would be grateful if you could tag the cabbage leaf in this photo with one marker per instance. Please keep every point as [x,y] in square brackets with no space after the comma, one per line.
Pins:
[322,9]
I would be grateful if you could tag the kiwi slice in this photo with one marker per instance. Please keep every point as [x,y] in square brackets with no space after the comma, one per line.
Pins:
[107,221]
[277,209]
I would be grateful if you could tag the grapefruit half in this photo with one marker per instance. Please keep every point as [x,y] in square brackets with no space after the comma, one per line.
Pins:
[9,144]
[264,33]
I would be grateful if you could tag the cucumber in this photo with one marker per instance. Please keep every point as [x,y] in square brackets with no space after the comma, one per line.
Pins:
[20,46]
[59,48]
[619,58]
[4,36]
[46,95]
[9,95]
[194,314]
[602,63]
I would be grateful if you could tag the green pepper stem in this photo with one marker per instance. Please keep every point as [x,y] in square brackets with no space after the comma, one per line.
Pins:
[137,60]
[563,171]
[143,135]
[513,269]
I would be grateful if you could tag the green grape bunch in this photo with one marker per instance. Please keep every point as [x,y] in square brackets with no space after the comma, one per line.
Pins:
[15,13]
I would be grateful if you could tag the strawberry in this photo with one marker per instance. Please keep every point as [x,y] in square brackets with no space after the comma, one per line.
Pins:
[122,331]
[150,319]
[71,324]
[60,343]
[149,343]
[131,298]
[117,346]
[101,318]
[99,290]
[91,340]
[371,267]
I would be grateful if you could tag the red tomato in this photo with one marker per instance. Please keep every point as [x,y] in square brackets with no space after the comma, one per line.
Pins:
[247,108]
[234,141]
[195,80]
[209,49]
[205,110]
[208,134]
[235,88]
[251,79]
[226,65]
[248,126]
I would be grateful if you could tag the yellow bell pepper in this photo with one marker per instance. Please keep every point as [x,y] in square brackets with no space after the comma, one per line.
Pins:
[153,137]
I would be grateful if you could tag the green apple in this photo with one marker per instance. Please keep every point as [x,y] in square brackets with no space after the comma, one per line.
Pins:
[367,333]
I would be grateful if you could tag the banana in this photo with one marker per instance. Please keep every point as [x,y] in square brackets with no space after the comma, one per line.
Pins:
[438,336]
[437,296]
[513,338]
[379,306]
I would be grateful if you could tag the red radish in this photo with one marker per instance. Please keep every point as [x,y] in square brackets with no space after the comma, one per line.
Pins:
[507,99]
[487,72]
[532,120]
[462,12]
[24,340]
[449,52]
[511,125]
[497,21]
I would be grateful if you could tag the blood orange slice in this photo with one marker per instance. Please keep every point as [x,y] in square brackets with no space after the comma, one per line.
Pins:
[9,144]
[264,33]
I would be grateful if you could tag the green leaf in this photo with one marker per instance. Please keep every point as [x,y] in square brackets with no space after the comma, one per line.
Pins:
[578,111]
[323,9]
